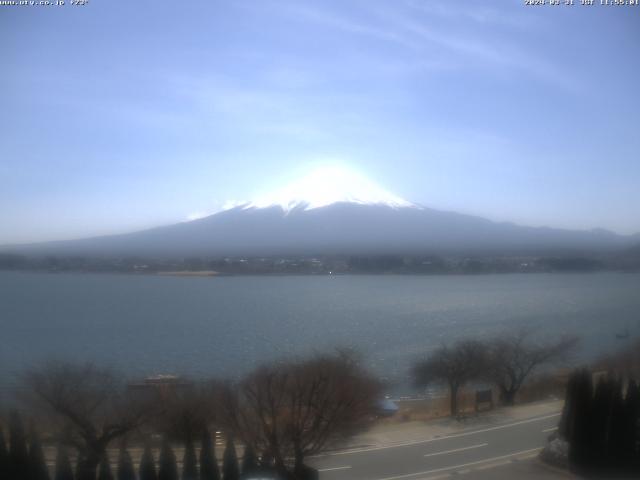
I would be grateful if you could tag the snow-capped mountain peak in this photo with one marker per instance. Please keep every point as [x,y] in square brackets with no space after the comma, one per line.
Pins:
[326,186]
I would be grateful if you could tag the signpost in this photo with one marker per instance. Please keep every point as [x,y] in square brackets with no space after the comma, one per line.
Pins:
[484,398]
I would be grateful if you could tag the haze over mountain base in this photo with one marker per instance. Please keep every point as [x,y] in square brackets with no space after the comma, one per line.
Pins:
[336,211]
[340,228]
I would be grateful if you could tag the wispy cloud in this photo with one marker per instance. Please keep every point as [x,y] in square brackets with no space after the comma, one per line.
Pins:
[432,43]
[254,107]
[342,22]
[479,12]
[487,51]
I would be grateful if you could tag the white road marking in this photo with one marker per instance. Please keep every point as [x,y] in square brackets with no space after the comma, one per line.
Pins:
[549,429]
[502,462]
[462,465]
[456,450]
[455,435]
[334,468]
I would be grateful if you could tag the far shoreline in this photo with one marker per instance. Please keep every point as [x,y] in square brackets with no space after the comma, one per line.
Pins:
[188,273]
[217,274]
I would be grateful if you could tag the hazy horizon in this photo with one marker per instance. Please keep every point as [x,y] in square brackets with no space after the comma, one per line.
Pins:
[251,203]
[119,117]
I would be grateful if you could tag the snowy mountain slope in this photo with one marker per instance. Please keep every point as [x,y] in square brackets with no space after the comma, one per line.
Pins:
[336,212]
[327,186]
[338,228]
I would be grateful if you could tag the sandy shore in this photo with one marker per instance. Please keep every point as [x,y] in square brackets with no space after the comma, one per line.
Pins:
[187,273]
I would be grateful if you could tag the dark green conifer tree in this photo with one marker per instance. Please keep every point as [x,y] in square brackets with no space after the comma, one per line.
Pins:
[4,457]
[79,463]
[249,460]
[567,421]
[617,432]
[600,424]
[208,462]
[189,462]
[63,464]
[104,470]
[125,465]
[578,433]
[37,464]
[168,468]
[18,453]
[632,430]
[147,468]
[635,463]
[230,468]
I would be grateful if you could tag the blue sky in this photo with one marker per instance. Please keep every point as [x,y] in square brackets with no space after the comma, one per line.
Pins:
[121,115]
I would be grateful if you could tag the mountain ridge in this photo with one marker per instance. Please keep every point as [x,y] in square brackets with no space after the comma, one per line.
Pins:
[338,228]
[325,186]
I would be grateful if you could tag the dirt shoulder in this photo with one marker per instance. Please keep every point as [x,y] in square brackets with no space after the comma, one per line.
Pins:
[391,431]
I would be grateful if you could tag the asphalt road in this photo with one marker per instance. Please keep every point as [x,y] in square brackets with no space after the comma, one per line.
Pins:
[469,450]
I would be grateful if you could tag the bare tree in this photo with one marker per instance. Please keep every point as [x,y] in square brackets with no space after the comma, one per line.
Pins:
[330,398]
[290,410]
[252,409]
[91,405]
[626,361]
[186,413]
[514,357]
[452,365]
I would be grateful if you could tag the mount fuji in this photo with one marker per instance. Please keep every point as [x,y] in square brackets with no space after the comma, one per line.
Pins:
[334,211]
[328,186]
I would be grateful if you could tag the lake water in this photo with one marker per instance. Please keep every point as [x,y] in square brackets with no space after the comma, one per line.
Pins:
[223,326]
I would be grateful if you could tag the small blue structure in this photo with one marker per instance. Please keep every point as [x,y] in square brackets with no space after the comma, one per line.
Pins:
[387,407]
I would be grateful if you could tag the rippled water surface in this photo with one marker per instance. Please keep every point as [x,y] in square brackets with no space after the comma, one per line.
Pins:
[223,326]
